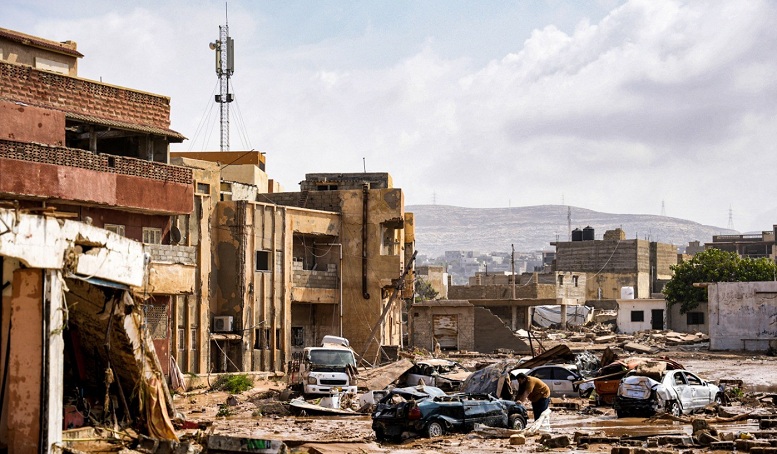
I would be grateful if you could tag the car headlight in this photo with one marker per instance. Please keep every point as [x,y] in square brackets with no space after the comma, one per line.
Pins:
[312,381]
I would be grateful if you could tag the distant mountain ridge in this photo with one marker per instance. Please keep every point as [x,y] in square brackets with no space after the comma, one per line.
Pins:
[440,228]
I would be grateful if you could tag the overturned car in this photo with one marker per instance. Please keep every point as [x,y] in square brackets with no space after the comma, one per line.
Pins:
[678,392]
[437,414]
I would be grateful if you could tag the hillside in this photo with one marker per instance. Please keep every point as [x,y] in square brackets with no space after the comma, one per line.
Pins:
[439,227]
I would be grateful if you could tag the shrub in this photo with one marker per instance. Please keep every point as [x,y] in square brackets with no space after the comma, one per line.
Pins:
[234,384]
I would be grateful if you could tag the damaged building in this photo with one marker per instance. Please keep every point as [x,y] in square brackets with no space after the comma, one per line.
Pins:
[88,249]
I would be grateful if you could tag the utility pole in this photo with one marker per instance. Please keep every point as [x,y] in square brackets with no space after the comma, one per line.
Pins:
[514,307]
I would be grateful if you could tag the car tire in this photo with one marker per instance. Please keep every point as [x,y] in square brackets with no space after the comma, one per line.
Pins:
[675,409]
[517,422]
[718,399]
[434,429]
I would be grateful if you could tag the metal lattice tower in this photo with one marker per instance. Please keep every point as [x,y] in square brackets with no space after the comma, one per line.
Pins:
[730,219]
[225,67]
[663,208]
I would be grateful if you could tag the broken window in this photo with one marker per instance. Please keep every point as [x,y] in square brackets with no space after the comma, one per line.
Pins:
[695,318]
[297,336]
[262,262]
[637,316]
[115,228]
[389,240]
[152,235]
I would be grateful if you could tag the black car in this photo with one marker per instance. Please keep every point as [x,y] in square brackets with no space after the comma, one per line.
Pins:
[433,416]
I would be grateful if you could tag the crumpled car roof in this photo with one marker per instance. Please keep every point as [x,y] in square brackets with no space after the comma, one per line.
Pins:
[417,392]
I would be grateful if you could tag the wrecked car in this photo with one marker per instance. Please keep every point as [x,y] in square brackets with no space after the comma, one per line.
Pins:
[441,373]
[608,378]
[437,415]
[678,392]
[562,380]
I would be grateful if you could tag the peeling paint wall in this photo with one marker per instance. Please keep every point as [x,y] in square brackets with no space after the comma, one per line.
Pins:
[742,315]
[24,378]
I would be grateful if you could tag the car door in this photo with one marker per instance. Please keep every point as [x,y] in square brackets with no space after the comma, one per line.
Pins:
[562,385]
[699,390]
[676,380]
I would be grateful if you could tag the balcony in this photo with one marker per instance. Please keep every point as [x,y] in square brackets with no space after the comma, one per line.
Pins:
[313,286]
[172,269]
[36,171]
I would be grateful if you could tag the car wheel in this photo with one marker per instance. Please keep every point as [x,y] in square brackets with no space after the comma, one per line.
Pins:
[675,410]
[517,422]
[719,399]
[434,429]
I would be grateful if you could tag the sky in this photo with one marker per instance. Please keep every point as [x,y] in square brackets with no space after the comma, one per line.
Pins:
[639,107]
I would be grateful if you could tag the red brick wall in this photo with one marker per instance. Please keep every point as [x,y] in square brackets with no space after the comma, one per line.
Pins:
[70,94]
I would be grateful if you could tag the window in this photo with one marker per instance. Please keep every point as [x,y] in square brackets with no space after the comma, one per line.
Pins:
[326,187]
[574,280]
[181,343]
[194,338]
[51,65]
[693,380]
[152,235]
[637,316]
[560,279]
[297,336]
[203,188]
[695,318]
[262,262]
[389,240]
[115,228]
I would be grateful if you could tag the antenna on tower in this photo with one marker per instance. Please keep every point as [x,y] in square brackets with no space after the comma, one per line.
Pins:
[225,67]
[663,208]
[730,218]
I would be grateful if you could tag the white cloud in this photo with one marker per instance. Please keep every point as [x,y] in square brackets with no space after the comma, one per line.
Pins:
[657,100]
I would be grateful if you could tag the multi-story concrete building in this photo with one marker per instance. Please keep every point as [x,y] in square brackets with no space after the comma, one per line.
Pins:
[92,159]
[615,262]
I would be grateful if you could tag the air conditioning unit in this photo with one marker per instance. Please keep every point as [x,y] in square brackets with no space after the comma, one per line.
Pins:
[222,324]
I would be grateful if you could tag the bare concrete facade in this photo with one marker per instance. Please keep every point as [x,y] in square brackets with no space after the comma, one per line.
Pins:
[695,321]
[614,264]
[742,315]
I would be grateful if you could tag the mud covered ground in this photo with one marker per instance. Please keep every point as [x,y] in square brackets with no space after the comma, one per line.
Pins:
[259,414]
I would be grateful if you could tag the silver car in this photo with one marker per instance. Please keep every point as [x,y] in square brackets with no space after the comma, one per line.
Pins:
[562,380]
[679,392]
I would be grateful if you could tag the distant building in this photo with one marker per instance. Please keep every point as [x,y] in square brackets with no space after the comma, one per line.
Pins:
[759,245]
[436,276]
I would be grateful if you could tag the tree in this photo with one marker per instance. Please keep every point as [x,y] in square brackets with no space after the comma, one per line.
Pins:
[713,265]
[424,290]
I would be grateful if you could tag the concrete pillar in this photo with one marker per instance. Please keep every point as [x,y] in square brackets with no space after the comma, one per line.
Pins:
[514,324]
[563,316]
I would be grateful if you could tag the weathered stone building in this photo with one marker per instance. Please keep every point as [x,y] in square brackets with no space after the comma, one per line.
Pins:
[85,181]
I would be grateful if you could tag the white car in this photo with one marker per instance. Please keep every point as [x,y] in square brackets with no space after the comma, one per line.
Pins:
[679,392]
[562,380]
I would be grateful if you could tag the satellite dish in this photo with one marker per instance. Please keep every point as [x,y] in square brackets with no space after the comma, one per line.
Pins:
[175,235]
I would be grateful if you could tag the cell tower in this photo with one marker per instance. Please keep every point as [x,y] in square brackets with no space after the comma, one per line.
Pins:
[225,67]
[569,223]
[663,208]
[730,219]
